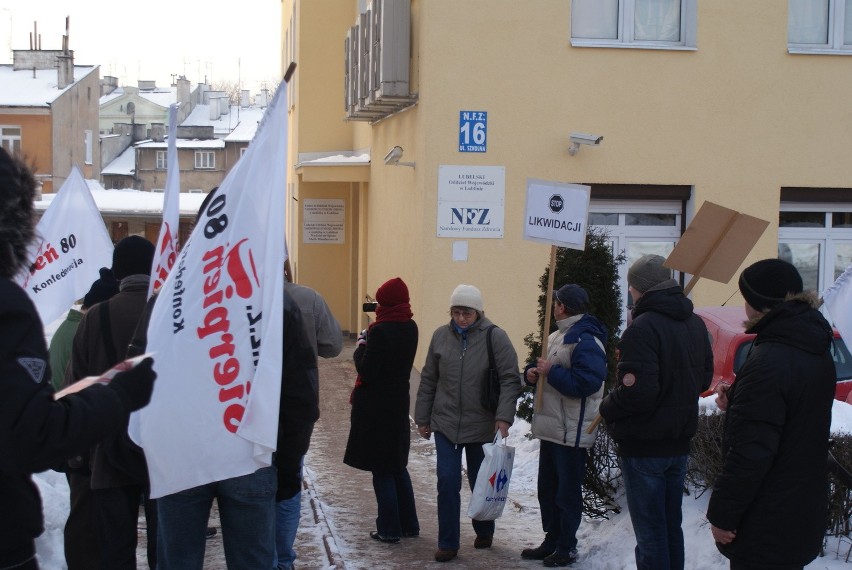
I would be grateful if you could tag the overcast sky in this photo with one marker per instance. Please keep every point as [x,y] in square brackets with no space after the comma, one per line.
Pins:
[155,38]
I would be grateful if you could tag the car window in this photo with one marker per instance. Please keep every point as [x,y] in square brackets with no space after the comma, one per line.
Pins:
[742,352]
[842,359]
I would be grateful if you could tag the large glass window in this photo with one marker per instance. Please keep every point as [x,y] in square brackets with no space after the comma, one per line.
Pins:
[817,239]
[636,228]
[815,26]
[633,23]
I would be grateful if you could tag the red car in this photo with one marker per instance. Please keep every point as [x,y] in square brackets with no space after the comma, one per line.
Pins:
[731,345]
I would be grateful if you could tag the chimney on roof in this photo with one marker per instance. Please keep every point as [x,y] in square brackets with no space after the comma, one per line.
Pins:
[108,84]
[65,60]
[158,132]
[245,98]
[147,85]
[262,98]
[183,91]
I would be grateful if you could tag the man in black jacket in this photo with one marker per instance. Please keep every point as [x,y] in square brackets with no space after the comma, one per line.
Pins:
[665,362]
[36,431]
[769,505]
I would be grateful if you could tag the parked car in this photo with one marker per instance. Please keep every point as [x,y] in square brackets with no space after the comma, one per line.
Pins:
[731,345]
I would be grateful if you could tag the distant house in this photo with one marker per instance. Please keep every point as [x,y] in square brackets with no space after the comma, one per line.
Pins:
[144,105]
[210,141]
[49,113]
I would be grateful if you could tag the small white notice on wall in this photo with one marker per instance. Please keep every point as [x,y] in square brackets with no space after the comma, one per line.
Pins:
[459,251]
[323,220]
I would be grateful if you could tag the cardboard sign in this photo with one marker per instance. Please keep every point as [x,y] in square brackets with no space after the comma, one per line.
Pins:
[716,243]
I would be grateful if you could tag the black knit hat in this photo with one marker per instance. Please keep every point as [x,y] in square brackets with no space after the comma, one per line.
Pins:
[132,256]
[102,289]
[573,297]
[766,283]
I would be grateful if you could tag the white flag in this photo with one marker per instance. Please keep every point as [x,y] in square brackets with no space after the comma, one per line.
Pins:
[216,329]
[72,245]
[167,242]
[838,301]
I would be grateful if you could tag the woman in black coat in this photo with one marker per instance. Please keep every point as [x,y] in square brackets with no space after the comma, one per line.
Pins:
[379,436]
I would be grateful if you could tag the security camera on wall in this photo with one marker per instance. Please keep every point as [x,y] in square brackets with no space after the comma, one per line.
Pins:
[393,155]
[582,138]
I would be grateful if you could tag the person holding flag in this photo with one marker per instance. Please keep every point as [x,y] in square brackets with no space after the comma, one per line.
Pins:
[37,430]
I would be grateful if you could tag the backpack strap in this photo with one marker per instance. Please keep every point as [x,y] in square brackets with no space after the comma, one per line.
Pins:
[491,363]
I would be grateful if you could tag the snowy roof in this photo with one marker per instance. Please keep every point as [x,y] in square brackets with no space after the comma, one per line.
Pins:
[162,96]
[123,164]
[21,89]
[250,118]
[226,123]
[127,201]
[184,143]
[336,158]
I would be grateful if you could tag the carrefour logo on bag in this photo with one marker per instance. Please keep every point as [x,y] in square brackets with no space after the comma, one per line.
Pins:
[498,481]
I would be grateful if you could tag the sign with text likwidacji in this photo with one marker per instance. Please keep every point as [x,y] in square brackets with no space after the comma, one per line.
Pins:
[556,213]
[471,201]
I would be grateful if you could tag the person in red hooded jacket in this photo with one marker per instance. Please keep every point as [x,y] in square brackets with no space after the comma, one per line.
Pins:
[380,432]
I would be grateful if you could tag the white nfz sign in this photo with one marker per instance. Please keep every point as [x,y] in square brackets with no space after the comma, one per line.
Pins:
[557,213]
[471,201]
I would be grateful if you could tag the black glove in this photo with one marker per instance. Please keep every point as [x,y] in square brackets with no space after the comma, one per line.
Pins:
[134,386]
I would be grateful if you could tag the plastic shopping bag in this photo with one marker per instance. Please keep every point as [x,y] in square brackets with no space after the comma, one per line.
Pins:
[492,481]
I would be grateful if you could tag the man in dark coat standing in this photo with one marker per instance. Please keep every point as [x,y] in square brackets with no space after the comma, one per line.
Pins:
[101,341]
[769,507]
[665,362]
[36,430]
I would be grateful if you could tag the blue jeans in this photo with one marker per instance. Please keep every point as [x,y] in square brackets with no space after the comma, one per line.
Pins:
[287,515]
[247,514]
[395,499]
[654,487]
[560,494]
[449,489]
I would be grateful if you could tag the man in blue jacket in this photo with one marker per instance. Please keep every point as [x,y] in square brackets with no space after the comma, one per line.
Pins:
[575,368]
[665,362]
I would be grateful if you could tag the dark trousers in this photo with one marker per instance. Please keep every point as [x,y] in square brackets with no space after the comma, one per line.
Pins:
[395,499]
[746,566]
[560,494]
[118,515]
[82,551]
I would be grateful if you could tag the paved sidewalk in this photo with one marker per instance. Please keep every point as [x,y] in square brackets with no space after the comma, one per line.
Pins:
[345,500]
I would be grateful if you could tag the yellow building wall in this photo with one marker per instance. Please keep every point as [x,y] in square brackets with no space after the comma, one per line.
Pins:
[35,141]
[737,119]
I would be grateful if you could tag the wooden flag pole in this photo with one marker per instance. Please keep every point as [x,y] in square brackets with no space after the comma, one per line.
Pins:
[545,329]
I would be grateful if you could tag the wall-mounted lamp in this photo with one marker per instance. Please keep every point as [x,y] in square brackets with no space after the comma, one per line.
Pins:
[582,138]
[393,156]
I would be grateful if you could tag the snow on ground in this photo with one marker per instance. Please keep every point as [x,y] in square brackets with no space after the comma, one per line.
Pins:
[603,544]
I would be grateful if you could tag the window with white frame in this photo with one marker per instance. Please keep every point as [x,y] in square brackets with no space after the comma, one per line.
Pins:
[817,239]
[819,26]
[205,159]
[10,139]
[651,24]
[637,228]
[161,160]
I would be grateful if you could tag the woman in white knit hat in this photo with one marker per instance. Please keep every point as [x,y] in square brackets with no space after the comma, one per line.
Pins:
[453,403]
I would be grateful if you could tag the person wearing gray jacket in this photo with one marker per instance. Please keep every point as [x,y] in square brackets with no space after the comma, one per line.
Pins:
[452,404]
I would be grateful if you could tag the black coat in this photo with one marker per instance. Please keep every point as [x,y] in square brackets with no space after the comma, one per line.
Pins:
[665,362]
[299,403]
[380,432]
[773,486]
[36,432]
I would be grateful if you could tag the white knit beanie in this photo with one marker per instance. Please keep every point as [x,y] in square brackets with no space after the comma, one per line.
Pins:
[466,296]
